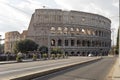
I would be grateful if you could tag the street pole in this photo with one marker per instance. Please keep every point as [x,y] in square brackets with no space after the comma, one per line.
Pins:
[119,46]
[112,30]
[0,45]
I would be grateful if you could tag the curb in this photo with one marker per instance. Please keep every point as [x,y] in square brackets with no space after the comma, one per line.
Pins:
[46,72]
[12,62]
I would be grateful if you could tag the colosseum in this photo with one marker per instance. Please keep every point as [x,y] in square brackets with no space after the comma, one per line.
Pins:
[74,32]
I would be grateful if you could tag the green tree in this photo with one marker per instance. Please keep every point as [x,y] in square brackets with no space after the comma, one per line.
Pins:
[56,51]
[43,49]
[1,48]
[25,45]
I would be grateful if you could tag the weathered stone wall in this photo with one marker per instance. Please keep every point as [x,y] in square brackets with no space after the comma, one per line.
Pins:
[83,32]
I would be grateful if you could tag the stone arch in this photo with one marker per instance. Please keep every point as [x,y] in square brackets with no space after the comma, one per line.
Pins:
[59,42]
[83,53]
[78,42]
[77,31]
[78,53]
[66,42]
[83,42]
[88,43]
[72,42]
[72,53]
[66,53]
[59,30]
[52,29]
[96,33]
[65,30]
[52,42]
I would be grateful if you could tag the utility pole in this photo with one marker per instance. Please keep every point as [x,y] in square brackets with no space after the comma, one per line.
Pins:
[0,45]
[112,30]
[119,45]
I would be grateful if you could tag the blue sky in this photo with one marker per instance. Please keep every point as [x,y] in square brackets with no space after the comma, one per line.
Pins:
[15,15]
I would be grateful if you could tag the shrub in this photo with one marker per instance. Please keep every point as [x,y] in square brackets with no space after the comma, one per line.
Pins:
[45,55]
[53,56]
[34,57]
[18,58]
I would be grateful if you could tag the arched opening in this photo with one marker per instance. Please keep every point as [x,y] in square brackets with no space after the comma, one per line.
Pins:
[96,33]
[72,42]
[65,30]
[83,31]
[72,31]
[93,43]
[78,42]
[87,53]
[52,42]
[89,32]
[83,43]
[59,30]
[52,29]
[66,53]
[59,42]
[77,31]
[78,53]
[72,53]
[99,33]
[88,43]
[83,53]
[66,42]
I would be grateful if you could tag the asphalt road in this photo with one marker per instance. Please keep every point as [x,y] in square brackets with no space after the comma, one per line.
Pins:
[8,71]
[90,71]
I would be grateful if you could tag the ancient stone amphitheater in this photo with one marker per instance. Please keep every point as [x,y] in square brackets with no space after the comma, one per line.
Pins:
[74,32]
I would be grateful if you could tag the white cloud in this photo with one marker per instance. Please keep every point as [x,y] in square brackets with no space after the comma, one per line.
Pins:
[116,3]
[16,14]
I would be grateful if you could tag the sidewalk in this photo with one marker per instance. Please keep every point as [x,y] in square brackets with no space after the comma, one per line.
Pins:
[116,71]
[10,62]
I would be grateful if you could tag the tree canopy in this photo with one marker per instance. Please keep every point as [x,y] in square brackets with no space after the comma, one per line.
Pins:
[43,49]
[25,45]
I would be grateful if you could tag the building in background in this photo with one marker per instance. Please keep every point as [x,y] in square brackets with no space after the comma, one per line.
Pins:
[23,35]
[74,32]
[11,38]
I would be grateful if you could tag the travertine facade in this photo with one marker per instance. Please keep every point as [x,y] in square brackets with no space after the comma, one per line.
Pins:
[76,33]
[11,38]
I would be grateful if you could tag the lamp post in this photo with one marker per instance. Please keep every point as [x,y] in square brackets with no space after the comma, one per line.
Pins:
[0,45]
[119,45]
[112,30]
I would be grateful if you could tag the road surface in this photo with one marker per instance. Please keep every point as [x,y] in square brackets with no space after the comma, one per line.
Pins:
[90,71]
[9,71]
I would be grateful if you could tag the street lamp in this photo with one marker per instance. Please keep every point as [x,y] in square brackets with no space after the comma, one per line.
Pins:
[119,45]
[112,30]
